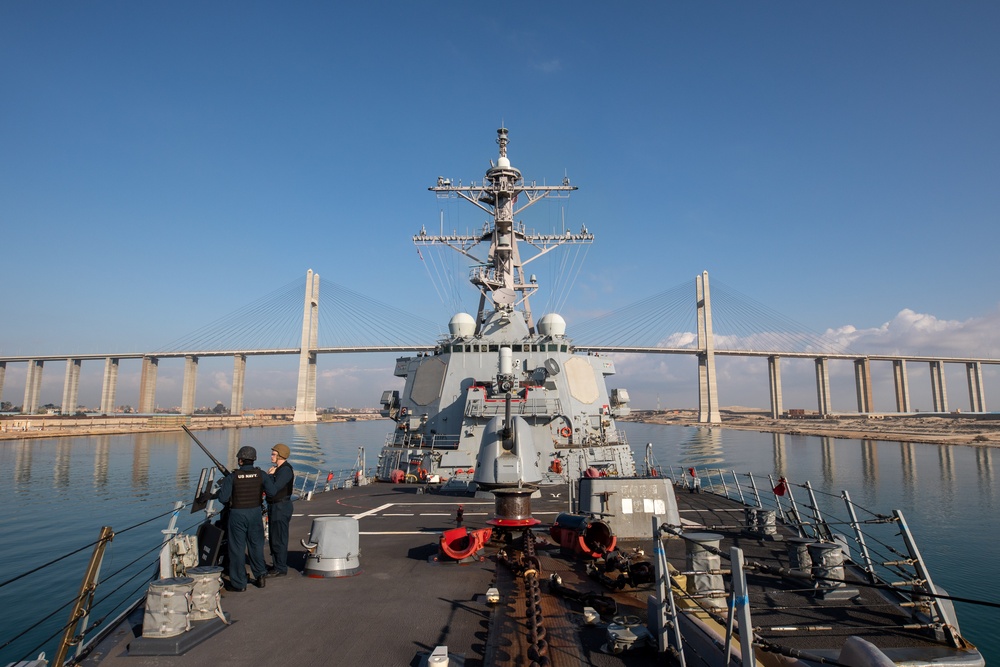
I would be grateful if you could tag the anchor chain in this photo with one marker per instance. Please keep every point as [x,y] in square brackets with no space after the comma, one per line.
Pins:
[538,651]
[526,565]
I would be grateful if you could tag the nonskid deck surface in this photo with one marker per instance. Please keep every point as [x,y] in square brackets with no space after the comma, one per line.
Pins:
[403,603]
[394,612]
[785,610]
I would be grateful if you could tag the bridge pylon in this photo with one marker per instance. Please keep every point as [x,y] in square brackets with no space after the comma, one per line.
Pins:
[708,392]
[305,396]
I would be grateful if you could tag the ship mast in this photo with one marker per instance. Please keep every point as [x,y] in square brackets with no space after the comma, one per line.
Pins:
[500,275]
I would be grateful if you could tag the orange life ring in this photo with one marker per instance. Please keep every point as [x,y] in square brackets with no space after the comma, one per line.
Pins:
[565,431]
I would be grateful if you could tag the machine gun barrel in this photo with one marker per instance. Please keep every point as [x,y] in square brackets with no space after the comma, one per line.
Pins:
[218,464]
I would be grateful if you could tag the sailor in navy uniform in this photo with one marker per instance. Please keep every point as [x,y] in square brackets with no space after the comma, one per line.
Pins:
[242,490]
[279,508]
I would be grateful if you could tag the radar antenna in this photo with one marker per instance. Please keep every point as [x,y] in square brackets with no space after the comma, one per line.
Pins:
[503,194]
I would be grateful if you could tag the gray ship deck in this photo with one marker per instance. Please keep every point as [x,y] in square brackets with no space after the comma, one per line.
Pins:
[403,604]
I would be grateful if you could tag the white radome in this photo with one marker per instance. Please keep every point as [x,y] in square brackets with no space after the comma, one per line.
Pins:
[552,325]
[462,325]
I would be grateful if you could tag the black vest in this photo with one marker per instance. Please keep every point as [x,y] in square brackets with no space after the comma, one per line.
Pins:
[285,492]
[247,487]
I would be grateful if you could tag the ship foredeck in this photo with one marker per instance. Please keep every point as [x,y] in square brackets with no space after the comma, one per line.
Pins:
[405,602]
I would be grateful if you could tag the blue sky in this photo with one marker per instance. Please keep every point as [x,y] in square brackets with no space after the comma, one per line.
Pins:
[163,164]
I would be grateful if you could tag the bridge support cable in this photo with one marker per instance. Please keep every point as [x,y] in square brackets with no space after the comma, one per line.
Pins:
[305,396]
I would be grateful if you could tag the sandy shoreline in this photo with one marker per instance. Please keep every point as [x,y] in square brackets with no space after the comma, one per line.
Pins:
[951,429]
[18,428]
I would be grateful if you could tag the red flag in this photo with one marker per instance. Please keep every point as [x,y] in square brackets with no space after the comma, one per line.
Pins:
[691,470]
[781,488]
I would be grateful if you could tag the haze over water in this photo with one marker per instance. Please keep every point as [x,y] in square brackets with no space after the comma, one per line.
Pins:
[62,490]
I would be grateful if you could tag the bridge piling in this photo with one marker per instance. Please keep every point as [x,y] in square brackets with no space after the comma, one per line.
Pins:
[147,385]
[823,386]
[239,378]
[708,392]
[939,389]
[974,375]
[901,384]
[109,386]
[863,384]
[774,381]
[71,386]
[32,386]
[190,383]
[305,396]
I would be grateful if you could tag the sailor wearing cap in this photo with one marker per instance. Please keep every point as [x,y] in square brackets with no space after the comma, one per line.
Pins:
[242,490]
[279,508]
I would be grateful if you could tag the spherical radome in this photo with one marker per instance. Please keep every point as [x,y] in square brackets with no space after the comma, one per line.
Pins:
[552,325]
[462,325]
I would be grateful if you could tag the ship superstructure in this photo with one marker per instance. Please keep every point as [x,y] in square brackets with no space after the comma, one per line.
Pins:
[503,400]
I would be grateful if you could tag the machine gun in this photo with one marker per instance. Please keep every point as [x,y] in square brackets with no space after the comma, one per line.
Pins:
[218,464]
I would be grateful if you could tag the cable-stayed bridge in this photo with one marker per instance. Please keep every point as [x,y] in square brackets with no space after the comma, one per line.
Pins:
[701,322]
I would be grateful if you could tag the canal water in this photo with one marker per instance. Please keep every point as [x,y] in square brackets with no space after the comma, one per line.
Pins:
[62,490]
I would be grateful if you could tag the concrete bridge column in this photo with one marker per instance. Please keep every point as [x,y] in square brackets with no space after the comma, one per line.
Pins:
[71,386]
[239,376]
[3,376]
[902,385]
[863,384]
[110,386]
[977,398]
[708,393]
[32,387]
[190,381]
[939,390]
[774,380]
[823,386]
[305,396]
[147,385]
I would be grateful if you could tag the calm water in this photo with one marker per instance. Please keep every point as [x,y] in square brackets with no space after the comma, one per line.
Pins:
[64,490]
